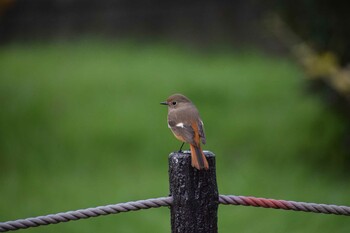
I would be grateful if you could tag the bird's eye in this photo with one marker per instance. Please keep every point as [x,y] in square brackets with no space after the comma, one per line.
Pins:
[174,102]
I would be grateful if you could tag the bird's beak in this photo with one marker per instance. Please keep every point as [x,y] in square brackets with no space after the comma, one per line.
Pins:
[164,103]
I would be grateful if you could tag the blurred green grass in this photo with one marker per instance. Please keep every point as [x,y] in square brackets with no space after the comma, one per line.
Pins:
[81,126]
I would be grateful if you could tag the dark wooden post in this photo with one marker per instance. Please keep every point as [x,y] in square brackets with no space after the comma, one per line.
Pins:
[195,195]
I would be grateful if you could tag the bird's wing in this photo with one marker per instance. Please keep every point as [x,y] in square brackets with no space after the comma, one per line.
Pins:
[201,131]
[182,130]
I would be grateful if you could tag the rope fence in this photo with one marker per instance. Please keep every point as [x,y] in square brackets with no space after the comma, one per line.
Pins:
[85,213]
[168,201]
[284,205]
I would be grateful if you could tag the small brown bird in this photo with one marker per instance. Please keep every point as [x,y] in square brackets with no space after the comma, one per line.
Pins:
[187,126]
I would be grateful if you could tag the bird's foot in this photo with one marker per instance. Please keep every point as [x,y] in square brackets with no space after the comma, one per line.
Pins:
[180,151]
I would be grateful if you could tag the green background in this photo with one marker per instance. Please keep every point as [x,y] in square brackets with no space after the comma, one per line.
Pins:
[81,126]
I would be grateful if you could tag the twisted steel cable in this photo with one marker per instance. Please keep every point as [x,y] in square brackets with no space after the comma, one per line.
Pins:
[285,205]
[167,201]
[85,213]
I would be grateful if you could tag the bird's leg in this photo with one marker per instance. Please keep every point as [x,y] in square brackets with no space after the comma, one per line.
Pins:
[181,148]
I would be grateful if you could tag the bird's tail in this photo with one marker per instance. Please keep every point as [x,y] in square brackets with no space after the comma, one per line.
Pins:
[199,160]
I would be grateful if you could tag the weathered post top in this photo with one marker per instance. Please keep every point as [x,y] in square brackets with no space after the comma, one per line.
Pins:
[195,194]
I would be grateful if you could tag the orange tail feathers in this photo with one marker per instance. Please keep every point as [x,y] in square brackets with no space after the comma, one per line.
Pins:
[199,160]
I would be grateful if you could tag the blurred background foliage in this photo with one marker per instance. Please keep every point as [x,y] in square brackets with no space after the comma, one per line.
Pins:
[81,124]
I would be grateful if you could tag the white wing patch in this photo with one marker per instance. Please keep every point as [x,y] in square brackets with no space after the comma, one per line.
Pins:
[181,125]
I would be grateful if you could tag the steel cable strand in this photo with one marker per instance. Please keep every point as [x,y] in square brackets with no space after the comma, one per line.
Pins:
[167,201]
[85,213]
[282,204]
